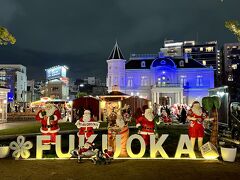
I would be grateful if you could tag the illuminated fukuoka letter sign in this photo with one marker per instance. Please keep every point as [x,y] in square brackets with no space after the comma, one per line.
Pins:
[156,146]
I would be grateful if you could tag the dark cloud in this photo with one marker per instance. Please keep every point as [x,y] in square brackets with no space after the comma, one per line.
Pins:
[81,34]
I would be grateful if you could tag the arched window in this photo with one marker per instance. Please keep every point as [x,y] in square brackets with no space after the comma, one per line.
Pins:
[143,64]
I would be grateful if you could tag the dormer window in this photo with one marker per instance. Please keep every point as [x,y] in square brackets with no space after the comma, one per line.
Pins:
[143,64]
[163,62]
[181,63]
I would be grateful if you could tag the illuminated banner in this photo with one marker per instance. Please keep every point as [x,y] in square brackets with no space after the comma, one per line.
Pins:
[56,72]
[95,125]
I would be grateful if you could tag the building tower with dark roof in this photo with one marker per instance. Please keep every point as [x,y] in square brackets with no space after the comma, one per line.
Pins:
[116,70]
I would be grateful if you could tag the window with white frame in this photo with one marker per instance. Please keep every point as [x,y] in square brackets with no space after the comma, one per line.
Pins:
[199,81]
[110,81]
[183,80]
[144,81]
[129,82]
[143,64]
[115,82]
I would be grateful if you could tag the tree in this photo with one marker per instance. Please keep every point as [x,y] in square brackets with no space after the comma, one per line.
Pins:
[212,104]
[81,94]
[234,27]
[6,37]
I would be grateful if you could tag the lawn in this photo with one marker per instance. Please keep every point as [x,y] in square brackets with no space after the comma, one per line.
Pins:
[33,128]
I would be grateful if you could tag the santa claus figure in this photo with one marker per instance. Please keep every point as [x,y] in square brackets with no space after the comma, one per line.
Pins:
[146,125]
[196,115]
[87,131]
[165,117]
[49,118]
[86,151]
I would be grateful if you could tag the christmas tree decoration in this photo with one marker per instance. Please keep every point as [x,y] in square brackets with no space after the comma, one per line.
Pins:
[21,148]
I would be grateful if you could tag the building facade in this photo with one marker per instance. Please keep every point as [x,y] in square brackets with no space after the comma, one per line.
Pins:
[231,52]
[204,53]
[15,76]
[57,83]
[162,79]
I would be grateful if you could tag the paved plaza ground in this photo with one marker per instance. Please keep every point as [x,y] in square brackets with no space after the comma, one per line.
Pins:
[119,169]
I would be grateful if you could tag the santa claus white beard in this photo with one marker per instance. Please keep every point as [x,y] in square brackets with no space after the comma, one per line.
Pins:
[149,117]
[50,112]
[86,118]
[197,111]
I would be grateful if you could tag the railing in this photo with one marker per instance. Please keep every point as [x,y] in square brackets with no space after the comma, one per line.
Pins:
[145,56]
[168,85]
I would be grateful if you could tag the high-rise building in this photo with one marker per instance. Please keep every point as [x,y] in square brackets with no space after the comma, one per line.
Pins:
[231,63]
[205,53]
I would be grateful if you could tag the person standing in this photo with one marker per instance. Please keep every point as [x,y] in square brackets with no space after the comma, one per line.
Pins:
[183,115]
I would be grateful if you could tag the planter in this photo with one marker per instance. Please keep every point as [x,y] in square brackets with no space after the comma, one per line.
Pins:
[229,154]
[4,151]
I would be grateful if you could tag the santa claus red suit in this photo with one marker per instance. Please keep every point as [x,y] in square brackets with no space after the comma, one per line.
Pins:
[49,118]
[88,130]
[165,118]
[146,125]
[196,128]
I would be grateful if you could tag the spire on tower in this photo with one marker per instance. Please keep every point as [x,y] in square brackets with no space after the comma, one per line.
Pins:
[116,52]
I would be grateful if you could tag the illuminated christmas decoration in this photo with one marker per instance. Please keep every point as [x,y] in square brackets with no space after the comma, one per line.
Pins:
[209,151]
[21,148]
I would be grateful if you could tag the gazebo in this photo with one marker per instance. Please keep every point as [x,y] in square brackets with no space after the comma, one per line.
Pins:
[110,100]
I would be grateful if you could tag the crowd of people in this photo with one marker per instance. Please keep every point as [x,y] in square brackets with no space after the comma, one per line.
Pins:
[176,112]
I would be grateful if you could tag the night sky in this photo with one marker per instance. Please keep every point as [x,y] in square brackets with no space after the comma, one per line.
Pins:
[82,33]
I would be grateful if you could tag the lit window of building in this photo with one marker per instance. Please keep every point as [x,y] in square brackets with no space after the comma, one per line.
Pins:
[234,66]
[209,49]
[201,48]
[204,62]
[230,78]
[188,50]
